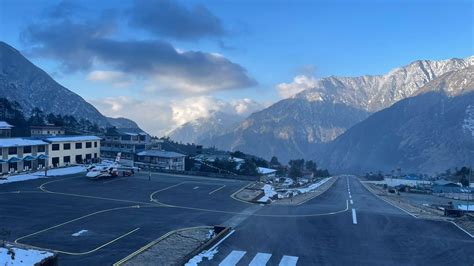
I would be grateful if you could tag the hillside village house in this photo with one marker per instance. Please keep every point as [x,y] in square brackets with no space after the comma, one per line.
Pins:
[158,159]
[5,130]
[65,150]
[46,130]
[127,141]
[18,154]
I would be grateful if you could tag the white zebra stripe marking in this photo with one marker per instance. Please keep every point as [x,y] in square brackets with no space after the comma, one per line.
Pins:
[288,261]
[260,259]
[232,258]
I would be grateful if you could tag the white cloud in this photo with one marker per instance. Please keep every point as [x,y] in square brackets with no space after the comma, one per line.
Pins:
[300,83]
[158,118]
[151,116]
[116,78]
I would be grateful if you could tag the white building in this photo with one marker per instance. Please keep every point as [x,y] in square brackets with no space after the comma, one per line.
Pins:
[5,129]
[266,172]
[65,150]
[160,160]
[20,154]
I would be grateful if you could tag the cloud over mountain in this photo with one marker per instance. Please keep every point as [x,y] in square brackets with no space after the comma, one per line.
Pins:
[166,18]
[80,44]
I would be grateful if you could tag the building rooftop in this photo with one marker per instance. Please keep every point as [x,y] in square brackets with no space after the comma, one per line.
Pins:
[5,125]
[71,138]
[46,127]
[128,131]
[19,142]
[158,153]
[265,171]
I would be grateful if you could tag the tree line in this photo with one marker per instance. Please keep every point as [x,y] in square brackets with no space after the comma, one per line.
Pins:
[12,114]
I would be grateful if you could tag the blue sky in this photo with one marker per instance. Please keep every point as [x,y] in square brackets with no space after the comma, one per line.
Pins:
[259,44]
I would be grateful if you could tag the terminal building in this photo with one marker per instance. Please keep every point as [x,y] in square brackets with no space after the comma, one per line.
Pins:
[65,150]
[19,154]
[25,154]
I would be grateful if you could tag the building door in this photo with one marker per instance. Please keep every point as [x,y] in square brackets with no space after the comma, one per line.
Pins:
[27,165]
[78,158]
[55,161]
[41,163]
[13,167]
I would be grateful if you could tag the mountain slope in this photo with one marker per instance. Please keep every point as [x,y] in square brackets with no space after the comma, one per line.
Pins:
[429,132]
[294,127]
[216,124]
[121,122]
[31,87]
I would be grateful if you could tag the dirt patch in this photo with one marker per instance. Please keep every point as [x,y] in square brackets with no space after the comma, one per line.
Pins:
[416,210]
[171,249]
[466,222]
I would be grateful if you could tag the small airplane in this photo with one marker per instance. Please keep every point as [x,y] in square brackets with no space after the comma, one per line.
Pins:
[110,169]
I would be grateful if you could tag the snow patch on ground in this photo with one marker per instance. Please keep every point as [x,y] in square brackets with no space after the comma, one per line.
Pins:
[208,254]
[210,234]
[80,232]
[313,186]
[268,192]
[393,182]
[40,174]
[23,256]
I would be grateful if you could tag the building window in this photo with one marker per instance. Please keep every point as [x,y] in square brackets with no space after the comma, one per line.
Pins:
[27,149]
[88,144]
[55,147]
[12,150]
[78,158]
[67,159]
[67,146]
[95,144]
[79,145]
[88,156]
[41,148]
[95,155]
[55,161]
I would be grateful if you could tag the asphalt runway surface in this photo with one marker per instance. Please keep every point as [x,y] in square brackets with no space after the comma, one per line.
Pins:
[346,225]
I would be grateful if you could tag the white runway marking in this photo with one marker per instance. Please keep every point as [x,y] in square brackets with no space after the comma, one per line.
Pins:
[79,233]
[354,216]
[215,190]
[352,202]
[288,261]
[195,187]
[232,258]
[260,259]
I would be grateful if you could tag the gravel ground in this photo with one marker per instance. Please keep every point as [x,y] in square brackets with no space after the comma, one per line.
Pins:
[172,249]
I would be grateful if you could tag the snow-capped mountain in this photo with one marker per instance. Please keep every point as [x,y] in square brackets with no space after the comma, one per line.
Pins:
[294,127]
[196,131]
[30,86]
[429,132]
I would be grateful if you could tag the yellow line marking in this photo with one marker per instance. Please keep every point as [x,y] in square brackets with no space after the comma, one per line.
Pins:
[215,190]
[238,191]
[77,219]
[147,246]
[315,196]
[90,251]
[163,189]
[157,203]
